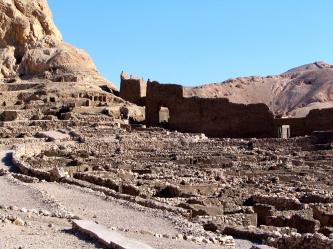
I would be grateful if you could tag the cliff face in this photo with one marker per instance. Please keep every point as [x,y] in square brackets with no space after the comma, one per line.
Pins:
[32,47]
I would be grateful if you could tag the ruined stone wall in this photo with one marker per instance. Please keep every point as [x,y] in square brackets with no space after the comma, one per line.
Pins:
[297,125]
[220,118]
[304,241]
[214,117]
[25,150]
[316,120]
[133,89]
[319,120]
[167,95]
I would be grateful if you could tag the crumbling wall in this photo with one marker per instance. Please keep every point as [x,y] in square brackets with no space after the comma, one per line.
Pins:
[30,150]
[304,241]
[319,120]
[217,117]
[132,89]
[316,120]
[214,117]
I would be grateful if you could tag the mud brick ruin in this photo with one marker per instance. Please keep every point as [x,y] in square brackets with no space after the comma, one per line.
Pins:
[157,165]
[217,117]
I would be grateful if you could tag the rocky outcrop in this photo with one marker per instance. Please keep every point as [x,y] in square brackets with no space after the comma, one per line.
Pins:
[32,47]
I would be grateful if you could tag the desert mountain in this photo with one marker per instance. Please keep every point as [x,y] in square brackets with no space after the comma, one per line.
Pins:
[31,46]
[293,93]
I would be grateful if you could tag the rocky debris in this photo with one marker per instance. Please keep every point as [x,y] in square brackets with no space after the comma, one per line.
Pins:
[327,231]
[279,202]
[62,214]
[25,178]
[303,225]
[58,173]
[305,241]
[8,218]
[217,183]
[3,172]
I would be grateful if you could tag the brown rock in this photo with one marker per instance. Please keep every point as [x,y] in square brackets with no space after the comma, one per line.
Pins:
[18,222]
[31,45]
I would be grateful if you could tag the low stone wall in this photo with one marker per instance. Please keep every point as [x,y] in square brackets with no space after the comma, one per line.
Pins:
[129,193]
[133,199]
[316,198]
[303,225]
[29,150]
[279,202]
[250,233]
[108,183]
[305,241]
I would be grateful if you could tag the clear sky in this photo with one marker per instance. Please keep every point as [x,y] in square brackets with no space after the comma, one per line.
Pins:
[192,42]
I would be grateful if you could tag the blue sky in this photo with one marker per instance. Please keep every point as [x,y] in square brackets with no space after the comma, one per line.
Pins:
[193,42]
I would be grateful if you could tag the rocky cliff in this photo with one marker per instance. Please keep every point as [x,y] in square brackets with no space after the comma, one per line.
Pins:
[32,47]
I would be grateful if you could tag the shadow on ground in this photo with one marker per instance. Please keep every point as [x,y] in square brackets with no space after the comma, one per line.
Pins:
[84,238]
[8,164]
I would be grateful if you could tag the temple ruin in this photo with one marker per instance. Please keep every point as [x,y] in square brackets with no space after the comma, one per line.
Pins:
[217,117]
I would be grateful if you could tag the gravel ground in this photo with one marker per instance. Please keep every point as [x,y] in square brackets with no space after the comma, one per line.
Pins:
[12,194]
[38,235]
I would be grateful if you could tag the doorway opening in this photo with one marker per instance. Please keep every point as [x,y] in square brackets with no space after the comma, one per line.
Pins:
[164,115]
[284,131]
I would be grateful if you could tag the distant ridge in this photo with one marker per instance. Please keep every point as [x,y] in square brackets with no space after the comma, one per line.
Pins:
[293,93]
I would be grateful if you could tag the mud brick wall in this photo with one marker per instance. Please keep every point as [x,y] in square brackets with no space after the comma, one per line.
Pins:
[316,120]
[133,89]
[214,117]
